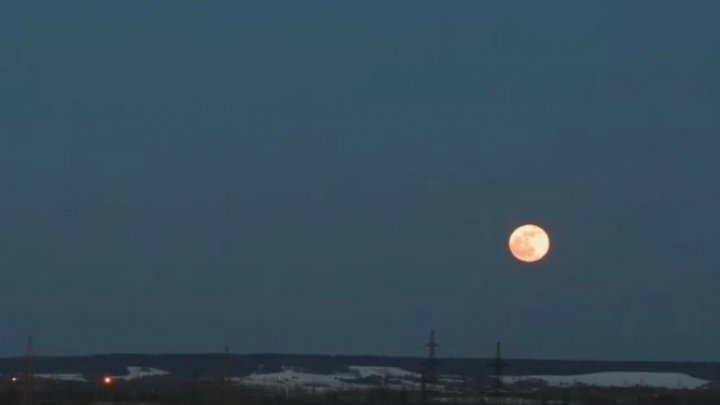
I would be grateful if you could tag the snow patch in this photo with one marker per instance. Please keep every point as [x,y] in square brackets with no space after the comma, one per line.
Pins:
[384,372]
[135,373]
[295,379]
[387,377]
[618,379]
[62,377]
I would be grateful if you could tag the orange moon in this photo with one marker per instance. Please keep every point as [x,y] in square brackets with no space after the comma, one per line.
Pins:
[529,243]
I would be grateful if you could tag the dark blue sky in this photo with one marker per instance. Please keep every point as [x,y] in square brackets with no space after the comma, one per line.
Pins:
[330,177]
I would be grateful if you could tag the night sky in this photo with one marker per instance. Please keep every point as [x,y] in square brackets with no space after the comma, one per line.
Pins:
[340,177]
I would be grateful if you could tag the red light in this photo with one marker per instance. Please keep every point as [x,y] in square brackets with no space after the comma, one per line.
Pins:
[107,380]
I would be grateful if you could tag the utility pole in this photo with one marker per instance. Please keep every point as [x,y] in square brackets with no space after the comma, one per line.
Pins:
[29,374]
[429,374]
[226,376]
[497,388]
[498,368]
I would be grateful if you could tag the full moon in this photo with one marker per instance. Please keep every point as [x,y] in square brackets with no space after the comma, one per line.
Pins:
[529,243]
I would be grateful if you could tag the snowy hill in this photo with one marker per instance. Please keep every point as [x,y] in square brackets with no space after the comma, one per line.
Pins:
[355,378]
[617,379]
[135,373]
[62,377]
[352,372]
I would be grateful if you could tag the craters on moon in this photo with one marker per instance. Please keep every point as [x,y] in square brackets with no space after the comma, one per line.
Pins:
[529,243]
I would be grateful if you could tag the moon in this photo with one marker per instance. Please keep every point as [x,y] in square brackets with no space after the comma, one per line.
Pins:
[529,243]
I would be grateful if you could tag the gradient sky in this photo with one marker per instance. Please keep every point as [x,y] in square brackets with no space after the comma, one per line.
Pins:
[340,177]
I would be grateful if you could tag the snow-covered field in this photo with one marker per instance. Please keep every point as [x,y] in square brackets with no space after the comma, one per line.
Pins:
[288,379]
[618,379]
[135,373]
[62,377]
[364,377]
[355,378]
[394,378]
[385,372]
